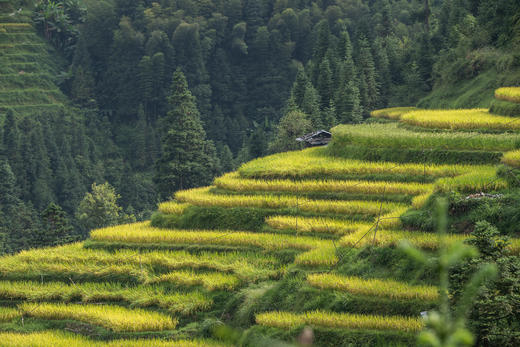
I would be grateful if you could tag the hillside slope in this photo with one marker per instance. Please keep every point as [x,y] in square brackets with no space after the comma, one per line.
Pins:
[295,239]
[28,67]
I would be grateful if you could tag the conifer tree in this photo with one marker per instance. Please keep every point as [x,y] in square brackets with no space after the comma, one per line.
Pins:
[348,106]
[226,158]
[311,106]
[12,142]
[324,85]
[82,88]
[329,115]
[299,87]
[368,77]
[346,68]
[184,162]
[57,229]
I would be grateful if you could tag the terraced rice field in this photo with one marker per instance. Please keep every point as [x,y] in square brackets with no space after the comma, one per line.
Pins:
[27,68]
[295,221]
[114,318]
[509,94]
[60,339]
[339,320]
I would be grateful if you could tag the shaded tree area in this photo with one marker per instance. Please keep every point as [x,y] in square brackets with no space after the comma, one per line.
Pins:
[241,59]
[252,67]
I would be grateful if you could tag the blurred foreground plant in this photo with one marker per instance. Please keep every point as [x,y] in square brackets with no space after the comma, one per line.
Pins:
[446,327]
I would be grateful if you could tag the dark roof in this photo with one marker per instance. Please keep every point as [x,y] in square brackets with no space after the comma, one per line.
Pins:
[320,134]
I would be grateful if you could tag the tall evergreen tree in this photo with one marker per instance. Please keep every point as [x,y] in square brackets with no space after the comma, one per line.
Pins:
[184,162]
[324,84]
[299,87]
[311,106]
[57,229]
[368,77]
[12,142]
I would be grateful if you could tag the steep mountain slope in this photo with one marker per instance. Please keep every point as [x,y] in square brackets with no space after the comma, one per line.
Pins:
[28,67]
[295,239]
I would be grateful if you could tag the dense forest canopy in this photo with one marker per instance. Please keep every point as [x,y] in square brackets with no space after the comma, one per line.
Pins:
[247,63]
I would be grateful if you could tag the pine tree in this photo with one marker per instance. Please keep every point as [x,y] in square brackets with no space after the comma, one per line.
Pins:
[329,115]
[299,87]
[226,158]
[324,84]
[12,142]
[139,140]
[57,229]
[82,88]
[346,68]
[258,143]
[311,106]
[368,77]
[383,72]
[348,106]
[184,162]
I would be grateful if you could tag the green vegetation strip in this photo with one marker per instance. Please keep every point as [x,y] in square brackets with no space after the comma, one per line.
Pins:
[203,197]
[512,158]
[314,163]
[392,113]
[8,313]
[470,119]
[505,108]
[140,296]
[392,238]
[210,281]
[373,287]
[143,233]
[232,181]
[74,259]
[61,339]
[115,318]
[392,136]
[508,93]
[287,320]
[311,224]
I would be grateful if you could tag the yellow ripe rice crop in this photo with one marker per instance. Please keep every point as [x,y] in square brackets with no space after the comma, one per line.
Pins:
[8,313]
[393,135]
[141,233]
[210,281]
[115,318]
[420,200]
[392,112]
[310,224]
[472,182]
[373,287]
[313,163]
[392,219]
[140,296]
[512,158]
[232,181]
[470,119]
[203,197]
[287,320]
[318,257]
[61,339]
[390,238]
[74,258]
[172,207]
[508,94]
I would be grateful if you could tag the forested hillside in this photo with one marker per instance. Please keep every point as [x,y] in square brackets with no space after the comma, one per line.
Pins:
[86,84]
[152,192]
